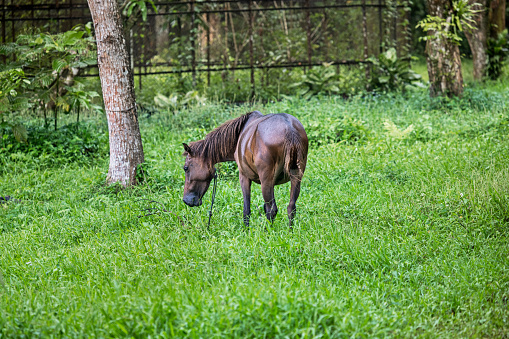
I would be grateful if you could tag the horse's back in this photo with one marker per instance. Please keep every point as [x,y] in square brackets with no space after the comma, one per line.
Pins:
[268,144]
[275,128]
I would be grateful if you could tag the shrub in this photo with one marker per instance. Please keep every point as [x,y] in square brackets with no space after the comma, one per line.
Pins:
[391,73]
[65,145]
[498,50]
[318,80]
[331,130]
[41,73]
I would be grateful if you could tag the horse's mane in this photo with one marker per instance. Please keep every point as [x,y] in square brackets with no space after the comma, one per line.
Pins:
[219,143]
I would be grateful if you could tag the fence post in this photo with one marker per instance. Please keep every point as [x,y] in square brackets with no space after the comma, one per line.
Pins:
[251,57]
[3,29]
[137,58]
[395,28]
[365,36]
[308,32]
[224,75]
[58,16]
[13,30]
[208,49]
[408,32]
[364,29]
[69,16]
[193,44]
[380,23]
[13,36]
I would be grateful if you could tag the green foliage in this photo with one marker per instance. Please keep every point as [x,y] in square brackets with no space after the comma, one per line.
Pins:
[143,173]
[335,130]
[395,133]
[498,51]
[228,170]
[13,83]
[457,19]
[43,73]
[318,80]
[176,101]
[390,73]
[68,144]
[137,7]
[80,97]
[395,236]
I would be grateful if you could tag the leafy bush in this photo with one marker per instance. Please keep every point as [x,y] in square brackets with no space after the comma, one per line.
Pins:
[331,130]
[43,72]
[498,50]
[176,101]
[66,145]
[474,98]
[391,73]
[318,80]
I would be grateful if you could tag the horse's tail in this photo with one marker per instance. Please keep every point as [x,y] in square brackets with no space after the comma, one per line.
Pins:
[294,154]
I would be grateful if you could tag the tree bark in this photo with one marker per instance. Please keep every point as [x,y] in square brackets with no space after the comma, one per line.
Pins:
[496,17]
[443,56]
[478,38]
[126,149]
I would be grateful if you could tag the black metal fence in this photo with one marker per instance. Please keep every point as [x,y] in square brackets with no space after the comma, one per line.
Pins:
[223,35]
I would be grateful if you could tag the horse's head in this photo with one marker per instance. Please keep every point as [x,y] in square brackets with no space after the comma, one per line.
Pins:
[199,174]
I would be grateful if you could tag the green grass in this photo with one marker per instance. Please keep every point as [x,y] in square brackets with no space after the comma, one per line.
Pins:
[467,69]
[402,235]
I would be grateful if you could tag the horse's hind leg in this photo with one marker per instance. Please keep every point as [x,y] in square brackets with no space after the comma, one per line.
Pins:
[245,184]
[294,195]
[270,202]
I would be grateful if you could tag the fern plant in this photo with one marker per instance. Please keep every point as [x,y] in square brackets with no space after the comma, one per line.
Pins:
[318,80]
[390,73]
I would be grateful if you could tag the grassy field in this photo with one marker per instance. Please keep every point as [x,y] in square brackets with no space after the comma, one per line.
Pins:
[402,231]
[466,66]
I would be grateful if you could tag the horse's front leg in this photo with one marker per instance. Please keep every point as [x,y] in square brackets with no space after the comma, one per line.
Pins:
[294,195]
[245,184]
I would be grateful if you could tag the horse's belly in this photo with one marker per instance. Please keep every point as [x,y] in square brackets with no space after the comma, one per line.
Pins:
[251,173]
[281,180]
[246,170]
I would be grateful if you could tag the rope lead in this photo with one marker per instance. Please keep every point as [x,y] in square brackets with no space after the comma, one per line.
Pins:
[213,198]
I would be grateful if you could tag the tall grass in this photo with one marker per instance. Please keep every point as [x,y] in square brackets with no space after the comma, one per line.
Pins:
[401,232]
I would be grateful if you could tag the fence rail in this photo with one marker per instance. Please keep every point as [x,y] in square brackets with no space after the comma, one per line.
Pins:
[226,35]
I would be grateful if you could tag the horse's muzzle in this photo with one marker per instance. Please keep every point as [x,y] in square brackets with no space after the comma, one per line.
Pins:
[192,201]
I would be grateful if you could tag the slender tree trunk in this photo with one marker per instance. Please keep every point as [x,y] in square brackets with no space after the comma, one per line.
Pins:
[126,150]
[443,56]
[477,39]
[496,17]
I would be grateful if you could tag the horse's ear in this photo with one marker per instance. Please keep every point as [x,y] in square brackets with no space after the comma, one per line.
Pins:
[187,149]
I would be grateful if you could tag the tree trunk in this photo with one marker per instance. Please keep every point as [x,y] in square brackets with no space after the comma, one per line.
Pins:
[496,17]
[443,56]
[478,38]
[126,150]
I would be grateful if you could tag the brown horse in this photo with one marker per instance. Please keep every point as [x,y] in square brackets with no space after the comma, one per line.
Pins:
[269,150]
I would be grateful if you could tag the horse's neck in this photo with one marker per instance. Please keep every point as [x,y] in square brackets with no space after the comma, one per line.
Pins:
[225,150]
[231,153]
[218,153]
[230,156]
